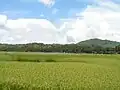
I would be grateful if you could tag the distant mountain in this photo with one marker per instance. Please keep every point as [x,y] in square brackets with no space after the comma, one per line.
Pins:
[99,42]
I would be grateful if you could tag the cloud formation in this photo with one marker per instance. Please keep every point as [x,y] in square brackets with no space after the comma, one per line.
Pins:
[48,3]
[28,30]
[101,21]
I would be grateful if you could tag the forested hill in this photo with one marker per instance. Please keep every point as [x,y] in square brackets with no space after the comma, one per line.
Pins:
[88,46]
[99,42]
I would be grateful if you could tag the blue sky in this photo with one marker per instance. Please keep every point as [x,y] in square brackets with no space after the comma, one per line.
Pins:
[58,21]
[35,9]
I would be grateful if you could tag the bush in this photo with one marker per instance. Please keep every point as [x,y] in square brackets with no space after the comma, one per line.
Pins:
[50,60]
[26,60]
[22,59]
[37,60]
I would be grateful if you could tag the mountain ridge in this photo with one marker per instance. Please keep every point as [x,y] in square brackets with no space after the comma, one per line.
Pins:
[99,42]
[89,42]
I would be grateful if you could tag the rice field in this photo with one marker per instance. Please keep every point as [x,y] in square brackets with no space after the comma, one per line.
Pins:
[68,72]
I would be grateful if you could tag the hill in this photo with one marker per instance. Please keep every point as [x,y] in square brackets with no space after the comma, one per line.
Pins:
[87,46]
[99,42]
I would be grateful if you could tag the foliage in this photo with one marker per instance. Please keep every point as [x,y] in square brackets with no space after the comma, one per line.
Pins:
[99,42]
[88,46]
[50,60]
[70,72]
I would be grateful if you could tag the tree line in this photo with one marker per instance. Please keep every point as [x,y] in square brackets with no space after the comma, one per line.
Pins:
[66,48]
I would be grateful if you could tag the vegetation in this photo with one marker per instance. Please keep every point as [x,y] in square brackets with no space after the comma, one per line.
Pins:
[99,42]
[38,66]
[88,46]
[68,72]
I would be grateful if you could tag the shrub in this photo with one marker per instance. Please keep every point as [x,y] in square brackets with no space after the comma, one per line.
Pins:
[50,60]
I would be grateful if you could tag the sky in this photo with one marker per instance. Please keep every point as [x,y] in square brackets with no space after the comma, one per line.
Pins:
[58,21]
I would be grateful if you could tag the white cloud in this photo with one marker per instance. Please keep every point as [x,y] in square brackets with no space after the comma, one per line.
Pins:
[48,3]
[29,30]
[3,20]
[17,31]
[101,21]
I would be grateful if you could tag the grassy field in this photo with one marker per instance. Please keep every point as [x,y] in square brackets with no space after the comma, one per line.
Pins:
[40,71]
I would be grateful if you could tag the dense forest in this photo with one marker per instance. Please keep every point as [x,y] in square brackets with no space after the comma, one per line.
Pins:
[88,46]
